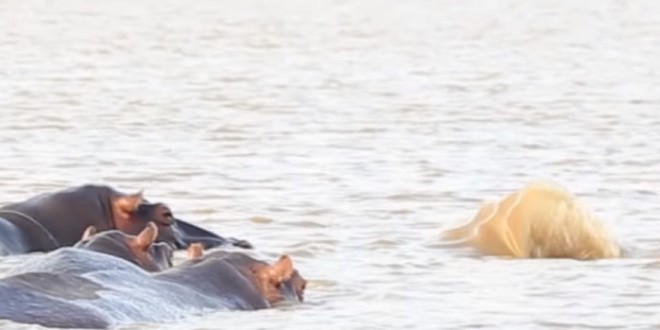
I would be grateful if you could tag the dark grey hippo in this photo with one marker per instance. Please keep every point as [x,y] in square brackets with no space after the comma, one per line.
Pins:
[122,293]
[52,220]
[44,290]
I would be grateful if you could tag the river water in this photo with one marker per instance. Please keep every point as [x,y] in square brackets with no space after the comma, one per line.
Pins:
[348,134]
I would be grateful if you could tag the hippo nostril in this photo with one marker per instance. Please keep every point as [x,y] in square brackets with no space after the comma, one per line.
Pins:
[241,243]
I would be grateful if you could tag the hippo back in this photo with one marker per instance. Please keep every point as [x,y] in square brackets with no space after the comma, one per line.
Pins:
[70,260]
[217,280]
[63,215]
[79,288]
[46,299]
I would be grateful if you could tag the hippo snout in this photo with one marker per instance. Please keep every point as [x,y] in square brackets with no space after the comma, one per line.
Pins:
[178,241]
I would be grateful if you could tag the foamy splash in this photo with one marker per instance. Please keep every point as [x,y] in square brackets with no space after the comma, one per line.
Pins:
[543,220]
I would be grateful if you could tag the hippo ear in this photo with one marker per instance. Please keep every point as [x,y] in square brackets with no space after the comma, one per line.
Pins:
[147,236]
[129,203]
[281,270]
[89,232]
[195,251]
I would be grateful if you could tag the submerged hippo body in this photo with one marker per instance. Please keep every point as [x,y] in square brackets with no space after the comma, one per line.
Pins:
[236,281]
[49,221]
[123,293]
[35,305]
[74,296]
[141,250]
[57,289]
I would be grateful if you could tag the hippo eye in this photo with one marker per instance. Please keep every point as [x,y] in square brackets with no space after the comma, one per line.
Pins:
[169,217]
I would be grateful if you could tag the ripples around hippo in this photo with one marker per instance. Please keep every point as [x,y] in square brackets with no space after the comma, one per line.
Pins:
[112,278]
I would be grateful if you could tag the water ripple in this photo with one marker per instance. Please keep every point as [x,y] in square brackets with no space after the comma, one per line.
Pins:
[349,140]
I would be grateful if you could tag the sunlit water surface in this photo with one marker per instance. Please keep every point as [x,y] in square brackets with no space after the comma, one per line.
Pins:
[348,134]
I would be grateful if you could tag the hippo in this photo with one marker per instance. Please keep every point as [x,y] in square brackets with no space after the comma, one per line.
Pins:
[141,250]
[46,290]
[250,283]
[52,220]
[123,293]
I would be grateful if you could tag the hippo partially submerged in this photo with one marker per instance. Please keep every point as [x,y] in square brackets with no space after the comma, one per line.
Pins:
[111,288]
[49,221]
[106,250]
[44,290]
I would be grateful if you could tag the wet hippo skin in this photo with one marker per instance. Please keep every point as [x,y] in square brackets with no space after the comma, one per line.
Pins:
[237,280]
[123,293]
[91,253]
[52,220]
[52,290]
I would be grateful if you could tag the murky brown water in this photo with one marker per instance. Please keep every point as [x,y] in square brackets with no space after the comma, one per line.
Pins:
[348,134]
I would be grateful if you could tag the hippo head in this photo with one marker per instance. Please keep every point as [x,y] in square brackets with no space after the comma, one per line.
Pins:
[276,283]
[131,214]
[279,282]
[295,286]
[140,249]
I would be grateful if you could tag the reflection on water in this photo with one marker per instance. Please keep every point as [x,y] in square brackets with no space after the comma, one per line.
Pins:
[349,134]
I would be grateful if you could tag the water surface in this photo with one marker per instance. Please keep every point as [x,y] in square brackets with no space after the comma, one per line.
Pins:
[348,134]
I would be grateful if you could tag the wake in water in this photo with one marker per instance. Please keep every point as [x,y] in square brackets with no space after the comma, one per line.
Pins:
[543,220]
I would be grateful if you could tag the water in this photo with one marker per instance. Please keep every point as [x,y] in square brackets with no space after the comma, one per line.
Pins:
[348,134]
